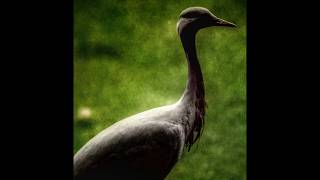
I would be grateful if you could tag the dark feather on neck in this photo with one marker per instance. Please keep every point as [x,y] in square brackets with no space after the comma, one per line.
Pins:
[195,88]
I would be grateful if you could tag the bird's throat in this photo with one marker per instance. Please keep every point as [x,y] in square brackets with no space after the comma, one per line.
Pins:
[195,85]
[194,95]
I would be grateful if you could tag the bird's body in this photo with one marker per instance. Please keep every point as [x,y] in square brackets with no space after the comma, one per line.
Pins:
[148,142]
[147,145]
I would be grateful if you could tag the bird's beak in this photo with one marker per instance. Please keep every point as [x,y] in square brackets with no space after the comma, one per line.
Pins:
[221,22]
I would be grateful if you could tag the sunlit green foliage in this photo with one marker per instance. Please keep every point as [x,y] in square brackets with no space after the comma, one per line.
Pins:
[128,58]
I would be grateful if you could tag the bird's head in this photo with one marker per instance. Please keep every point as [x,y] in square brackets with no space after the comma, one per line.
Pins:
[194,18]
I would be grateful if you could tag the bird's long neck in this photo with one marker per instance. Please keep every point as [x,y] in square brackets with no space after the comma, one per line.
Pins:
[195,87]
[194,95]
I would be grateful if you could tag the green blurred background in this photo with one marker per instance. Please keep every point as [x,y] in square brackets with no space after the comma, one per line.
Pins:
[128,58]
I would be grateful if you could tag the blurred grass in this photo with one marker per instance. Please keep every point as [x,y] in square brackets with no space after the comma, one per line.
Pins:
[128,58]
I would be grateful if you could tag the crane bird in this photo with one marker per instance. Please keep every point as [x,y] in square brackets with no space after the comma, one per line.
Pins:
[147,145]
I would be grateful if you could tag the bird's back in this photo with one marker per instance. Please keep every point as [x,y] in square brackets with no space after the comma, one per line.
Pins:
[143,146]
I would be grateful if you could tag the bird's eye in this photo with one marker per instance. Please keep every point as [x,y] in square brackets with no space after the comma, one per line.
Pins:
[193,15]
[189,15]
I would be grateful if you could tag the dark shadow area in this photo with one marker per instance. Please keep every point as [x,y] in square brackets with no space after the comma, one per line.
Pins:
[85,50]
[84,123]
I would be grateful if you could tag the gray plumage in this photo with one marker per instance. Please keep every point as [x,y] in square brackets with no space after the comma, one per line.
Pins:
[147,145]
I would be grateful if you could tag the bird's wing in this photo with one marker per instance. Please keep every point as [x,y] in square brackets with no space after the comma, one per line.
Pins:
[145,149]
